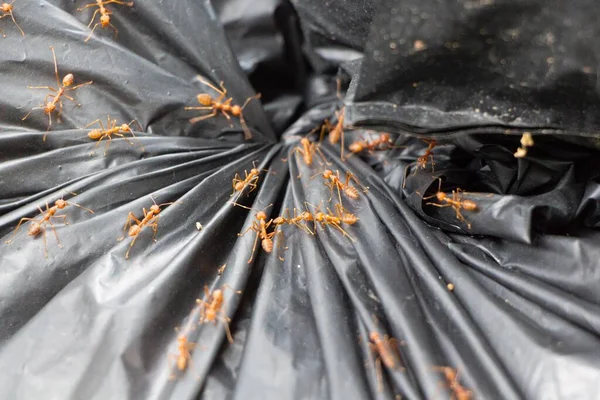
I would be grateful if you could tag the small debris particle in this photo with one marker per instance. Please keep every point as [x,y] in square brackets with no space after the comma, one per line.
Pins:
[450,286]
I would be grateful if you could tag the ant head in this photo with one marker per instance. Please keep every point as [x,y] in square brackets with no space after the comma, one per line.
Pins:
[261,216]
[68,80]
[125,128]
[236,110]
[205,99]
[385,137]
[327,174]
[34,229]
[304,141]
[374,336]
[105,20]
[95,134]
[356,147]
[155,208]
[60,203]
[319,216]
[278,221]
[181,339]
[49,107]
[217,294]
[254,171]
[441,196]
[6,7]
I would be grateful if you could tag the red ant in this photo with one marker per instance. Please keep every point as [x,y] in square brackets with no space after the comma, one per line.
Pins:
[333,180]
[386,351]
[336,220]
[112,129]
[7,11]
[381,142]
[212,306]
[104,15]
[459,391]
[260,226]
[224,107]
[336,132]
[49,107]
[250,180]
[308,149]
[456,202]
[422,160]
[295,220]
[38,224]
[183,357]
[150,219]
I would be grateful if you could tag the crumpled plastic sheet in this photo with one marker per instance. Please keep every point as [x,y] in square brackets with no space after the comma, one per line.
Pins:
[522,321]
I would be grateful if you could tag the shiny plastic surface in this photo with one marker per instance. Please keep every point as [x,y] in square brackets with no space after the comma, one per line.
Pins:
[86,323]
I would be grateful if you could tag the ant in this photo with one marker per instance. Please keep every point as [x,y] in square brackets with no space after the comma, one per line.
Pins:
[183,357]
[218,105]
[459,391]
[38,224]
[336,132]
[381,142]
[295,220]
[7,11]
[49,107]
[456,202]
[526,141]
[150,219]
[422,160]
[104,15]
[250,180]
[333,180]
[308,149]
[335,220]
[386,351]
[260,226]
[112,129]
[212,307]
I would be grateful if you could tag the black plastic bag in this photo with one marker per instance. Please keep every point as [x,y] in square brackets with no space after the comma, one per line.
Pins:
[522,320]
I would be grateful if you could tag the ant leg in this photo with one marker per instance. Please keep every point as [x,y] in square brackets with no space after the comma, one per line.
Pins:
[87,6]
[130,246]
[202,118]
[27,116]
[405,172]
[92,32]
[77,87]
[130,217]
[225,321]
[432,163]
[45,245]
[42,87]
[247,133]
[115,29]
[77,205]
[55,66]
[326,126]
[17,228]
[438,205]
[379,373]
[249,99]
[55,234]
[210,85]
[318,150]
[155,228]
[94,122]
[125,3]
[93,18]
[253,248]
[49,124]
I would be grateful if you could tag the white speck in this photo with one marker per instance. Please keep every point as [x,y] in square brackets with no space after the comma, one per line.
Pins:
[199,226]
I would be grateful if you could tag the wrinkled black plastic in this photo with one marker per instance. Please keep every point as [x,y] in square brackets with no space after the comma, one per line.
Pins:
[523,320]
